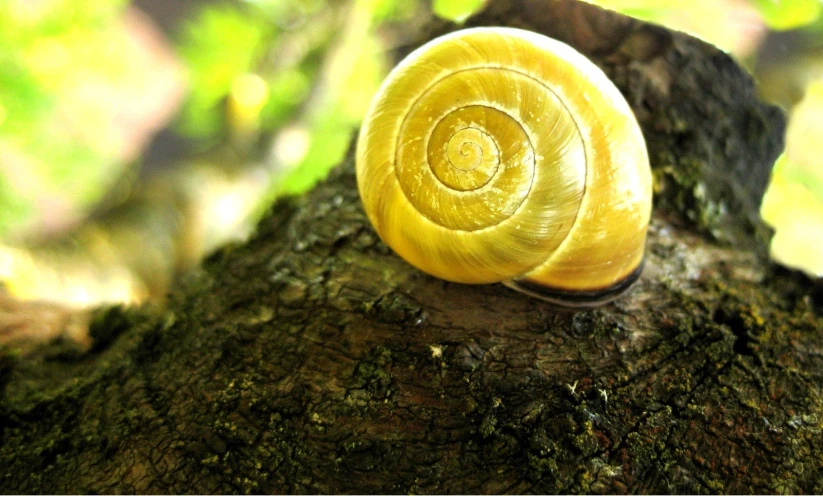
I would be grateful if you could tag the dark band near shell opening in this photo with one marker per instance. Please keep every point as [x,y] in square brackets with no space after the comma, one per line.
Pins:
[569,298]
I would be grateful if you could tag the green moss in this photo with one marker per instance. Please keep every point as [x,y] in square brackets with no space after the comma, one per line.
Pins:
[681,182]
[371,380]
[488,425]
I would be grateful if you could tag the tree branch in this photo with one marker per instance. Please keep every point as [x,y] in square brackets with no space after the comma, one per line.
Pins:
[312,359]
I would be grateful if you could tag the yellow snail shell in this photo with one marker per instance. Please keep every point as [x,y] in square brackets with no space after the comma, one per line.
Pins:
[501,155]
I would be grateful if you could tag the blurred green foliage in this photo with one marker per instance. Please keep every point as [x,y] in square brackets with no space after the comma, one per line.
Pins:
[219,45]
[789,14]
[793,203]
[319,62]
[456,10]
[42,46]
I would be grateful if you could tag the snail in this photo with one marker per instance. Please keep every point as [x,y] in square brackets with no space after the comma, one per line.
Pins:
[501,155]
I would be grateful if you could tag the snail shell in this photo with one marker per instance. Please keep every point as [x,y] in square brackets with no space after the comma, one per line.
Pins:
[501,155]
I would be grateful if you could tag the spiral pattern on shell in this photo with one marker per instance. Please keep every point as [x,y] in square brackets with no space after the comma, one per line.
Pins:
[497,154]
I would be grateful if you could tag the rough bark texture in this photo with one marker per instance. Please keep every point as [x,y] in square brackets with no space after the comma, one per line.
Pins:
[312,359]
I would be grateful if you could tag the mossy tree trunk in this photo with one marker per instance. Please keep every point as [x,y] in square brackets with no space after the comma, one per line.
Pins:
[312,359]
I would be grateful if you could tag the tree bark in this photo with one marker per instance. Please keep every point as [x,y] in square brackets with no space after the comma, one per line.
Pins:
[312,359]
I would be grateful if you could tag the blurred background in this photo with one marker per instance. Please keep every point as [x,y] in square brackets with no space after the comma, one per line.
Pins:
[137,136]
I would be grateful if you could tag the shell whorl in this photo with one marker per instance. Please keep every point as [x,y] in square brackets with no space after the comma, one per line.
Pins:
[496,154]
